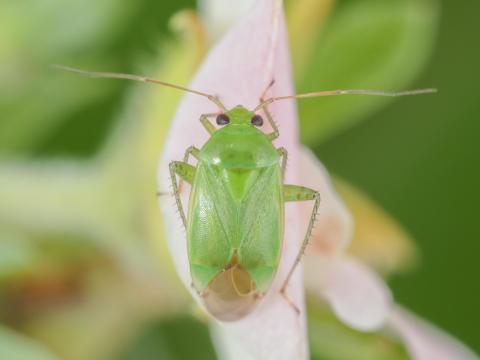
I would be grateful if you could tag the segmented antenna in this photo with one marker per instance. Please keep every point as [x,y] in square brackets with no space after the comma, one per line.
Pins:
[109,75]
[346,92]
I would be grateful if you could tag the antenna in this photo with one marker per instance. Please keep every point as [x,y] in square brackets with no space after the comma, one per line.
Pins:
[109,75]
[346,92]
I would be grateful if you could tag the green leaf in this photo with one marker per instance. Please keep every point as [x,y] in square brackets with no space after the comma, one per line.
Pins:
[14,346]
[365,44]
[34,100]
[332,340]
[46,112]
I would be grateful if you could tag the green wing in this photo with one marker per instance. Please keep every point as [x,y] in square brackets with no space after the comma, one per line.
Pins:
[261,220]
[212,225]
[235,211]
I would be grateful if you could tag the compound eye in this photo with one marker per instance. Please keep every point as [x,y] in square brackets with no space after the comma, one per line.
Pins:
[223,119]
[257,120]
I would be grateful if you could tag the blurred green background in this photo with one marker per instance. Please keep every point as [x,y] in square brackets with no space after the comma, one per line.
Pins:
[419,158]
[416,157]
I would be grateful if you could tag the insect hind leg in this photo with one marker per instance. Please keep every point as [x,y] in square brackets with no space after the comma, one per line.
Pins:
[289,301]
[299,193]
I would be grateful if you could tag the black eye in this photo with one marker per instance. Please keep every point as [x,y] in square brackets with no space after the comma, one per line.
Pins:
[257,120]
[223,119]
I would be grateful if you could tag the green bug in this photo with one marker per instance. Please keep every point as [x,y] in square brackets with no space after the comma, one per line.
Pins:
[235,219]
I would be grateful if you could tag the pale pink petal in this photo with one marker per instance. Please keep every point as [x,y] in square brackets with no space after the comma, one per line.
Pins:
[218,15]
[239,69]
[424,341]
[334,226]
[357,295]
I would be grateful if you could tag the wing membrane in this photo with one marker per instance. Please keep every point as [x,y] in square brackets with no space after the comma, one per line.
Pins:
[212,219]
[261,220]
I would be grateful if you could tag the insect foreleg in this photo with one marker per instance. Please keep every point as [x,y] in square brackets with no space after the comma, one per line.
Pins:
[273,135]
[207,124]
[186,173]
[300,193]
[284,154]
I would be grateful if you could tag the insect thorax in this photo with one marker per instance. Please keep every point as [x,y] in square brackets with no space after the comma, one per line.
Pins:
[239,146]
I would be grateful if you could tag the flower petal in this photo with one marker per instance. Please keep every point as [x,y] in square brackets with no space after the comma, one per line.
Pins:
[425,342]
[220,14]
[357,295]
[334,226]
[238,70]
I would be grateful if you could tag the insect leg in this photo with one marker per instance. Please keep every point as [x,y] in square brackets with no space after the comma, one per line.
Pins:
[284,154]
[186,173]
[192,150]
[275,133]
[300,193]
[207,124]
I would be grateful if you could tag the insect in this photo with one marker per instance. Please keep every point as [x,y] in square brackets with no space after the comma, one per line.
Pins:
[235,218]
